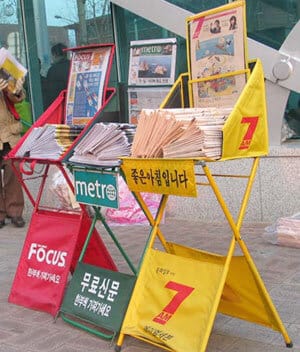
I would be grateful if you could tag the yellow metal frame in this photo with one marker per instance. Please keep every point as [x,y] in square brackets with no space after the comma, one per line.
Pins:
[239,292]
[251,105]
[274,320]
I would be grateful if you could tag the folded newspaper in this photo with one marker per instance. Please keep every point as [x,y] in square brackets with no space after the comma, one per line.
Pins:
[47,142]
[104,144]
[180,133]
[10,69]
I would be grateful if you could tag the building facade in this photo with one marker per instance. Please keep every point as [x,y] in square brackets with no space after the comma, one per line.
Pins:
[30,28]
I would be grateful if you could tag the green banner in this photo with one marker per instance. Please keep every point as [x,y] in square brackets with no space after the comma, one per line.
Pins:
[96,188]
[98,296]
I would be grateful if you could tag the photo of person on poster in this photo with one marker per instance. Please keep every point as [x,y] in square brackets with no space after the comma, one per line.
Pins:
[215,27]
[232,23]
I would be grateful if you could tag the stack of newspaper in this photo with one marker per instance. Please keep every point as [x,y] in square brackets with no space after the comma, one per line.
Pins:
[180,133]
[104,144]
[47,142]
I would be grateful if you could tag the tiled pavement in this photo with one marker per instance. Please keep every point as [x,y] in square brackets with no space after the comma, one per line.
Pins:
[25,330]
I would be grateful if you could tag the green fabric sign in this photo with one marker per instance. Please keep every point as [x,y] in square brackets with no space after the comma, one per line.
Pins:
[98,296]
[96,188]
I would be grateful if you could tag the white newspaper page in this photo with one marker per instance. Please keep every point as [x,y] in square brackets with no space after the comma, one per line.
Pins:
[143,98]
[86,84]
[152,62]
[217,47]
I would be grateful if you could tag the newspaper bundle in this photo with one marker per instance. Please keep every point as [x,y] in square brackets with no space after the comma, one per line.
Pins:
[104,144]
[48,142]
[180,133]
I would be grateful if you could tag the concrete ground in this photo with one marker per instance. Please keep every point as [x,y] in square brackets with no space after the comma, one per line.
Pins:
[26,330]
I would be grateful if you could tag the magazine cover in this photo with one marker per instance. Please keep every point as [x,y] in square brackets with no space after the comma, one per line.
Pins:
[152,62]
[10,69]
[86,84]
[217,48]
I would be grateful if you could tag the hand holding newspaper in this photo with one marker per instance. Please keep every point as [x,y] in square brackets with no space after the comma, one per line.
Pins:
[10,69]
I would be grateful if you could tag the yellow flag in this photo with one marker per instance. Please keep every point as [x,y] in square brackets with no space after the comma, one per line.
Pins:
[245,133]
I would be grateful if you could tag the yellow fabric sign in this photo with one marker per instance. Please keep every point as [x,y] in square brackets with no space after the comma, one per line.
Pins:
[242,297]
[172,301]
[245,133]
[163,176]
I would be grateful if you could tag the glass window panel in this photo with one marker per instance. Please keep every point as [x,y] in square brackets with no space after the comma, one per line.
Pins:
[76,22]
[269,22]
[197,6]
[131,27]
[72,23]
[273,20]
[12,38]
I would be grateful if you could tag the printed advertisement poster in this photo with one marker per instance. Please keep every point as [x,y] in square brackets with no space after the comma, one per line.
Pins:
[216,48]
[86,84]
[144,98]
[152,62]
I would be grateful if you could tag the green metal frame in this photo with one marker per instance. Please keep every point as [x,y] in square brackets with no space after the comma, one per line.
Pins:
[98,217]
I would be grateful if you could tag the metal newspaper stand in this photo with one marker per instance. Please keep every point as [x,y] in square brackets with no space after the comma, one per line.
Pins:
[87,316]
[181,306]
[56,236]
[96,298]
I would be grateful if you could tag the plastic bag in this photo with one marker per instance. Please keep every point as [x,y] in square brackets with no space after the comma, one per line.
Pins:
[61,190]
[129,211]
[286,131]
[284,232]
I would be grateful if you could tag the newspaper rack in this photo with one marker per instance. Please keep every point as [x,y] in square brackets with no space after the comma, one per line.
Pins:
[103,313]
[86,304]
[181,307]
[55,236]
[104,322]
[152,67]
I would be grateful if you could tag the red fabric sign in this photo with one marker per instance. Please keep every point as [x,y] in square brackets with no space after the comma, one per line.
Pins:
[45,261]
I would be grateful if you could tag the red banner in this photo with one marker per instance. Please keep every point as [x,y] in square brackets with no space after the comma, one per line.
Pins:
[45,261]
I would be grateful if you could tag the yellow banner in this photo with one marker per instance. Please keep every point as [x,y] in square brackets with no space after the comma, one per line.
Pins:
[245,133]
[163,176]
[172,301]
[242,297]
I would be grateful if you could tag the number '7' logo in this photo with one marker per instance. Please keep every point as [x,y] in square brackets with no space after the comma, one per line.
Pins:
[252,121]
[182,293]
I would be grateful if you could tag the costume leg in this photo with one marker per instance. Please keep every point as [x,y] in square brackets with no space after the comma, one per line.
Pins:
[13,193]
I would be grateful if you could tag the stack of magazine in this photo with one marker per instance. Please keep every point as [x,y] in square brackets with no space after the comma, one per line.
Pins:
[180,133]
[104,144]
[49,141]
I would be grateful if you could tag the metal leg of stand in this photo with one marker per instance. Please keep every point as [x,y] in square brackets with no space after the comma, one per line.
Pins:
[237,236]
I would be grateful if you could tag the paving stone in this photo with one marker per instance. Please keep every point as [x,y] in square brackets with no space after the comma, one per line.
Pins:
[26,330]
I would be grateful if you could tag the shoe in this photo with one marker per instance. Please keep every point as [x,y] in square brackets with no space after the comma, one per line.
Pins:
[2,223]
[18,221]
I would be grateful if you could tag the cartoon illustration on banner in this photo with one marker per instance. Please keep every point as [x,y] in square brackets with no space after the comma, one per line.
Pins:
[217,49]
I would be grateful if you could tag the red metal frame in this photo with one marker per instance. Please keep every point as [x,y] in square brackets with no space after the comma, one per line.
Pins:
[26,169]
